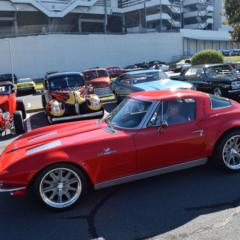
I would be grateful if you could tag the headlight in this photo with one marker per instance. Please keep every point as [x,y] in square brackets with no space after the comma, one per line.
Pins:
[235,84]
[95,101]
[56,107]
[6,115]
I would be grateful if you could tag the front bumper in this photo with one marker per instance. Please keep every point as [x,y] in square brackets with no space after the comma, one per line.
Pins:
[11,189]
[87,115]
[25,88]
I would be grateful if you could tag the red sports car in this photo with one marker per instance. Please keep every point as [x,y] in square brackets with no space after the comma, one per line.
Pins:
[148,134]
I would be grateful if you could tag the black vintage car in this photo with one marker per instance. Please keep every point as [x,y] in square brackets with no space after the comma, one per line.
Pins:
[219,79]
[66,97]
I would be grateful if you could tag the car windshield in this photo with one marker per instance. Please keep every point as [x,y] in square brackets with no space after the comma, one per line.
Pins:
[24,80]
[129,114]
[65,82]
[90,75]
[147,77]
[5,90]
[219,70]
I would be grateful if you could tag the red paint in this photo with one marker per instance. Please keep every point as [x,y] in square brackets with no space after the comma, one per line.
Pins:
[134,151]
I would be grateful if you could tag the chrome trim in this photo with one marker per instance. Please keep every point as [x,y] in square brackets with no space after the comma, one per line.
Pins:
[2,190]
[152,173]
[43,147]
[78,116]
[234,91]
[42,136]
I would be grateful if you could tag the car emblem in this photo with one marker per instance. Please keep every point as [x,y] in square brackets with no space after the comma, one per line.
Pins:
[107,151]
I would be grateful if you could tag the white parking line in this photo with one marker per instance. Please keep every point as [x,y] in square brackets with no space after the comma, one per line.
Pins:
[28,123]
[29,105]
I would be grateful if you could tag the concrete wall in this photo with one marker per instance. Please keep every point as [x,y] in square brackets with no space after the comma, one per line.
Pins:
[33,56]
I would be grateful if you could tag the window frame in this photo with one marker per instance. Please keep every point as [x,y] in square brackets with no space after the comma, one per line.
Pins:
[162,115]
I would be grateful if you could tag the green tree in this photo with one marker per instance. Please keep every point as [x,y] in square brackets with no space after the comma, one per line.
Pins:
[208,56]
[232,11]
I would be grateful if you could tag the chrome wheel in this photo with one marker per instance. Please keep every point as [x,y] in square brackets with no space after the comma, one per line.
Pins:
[217,92]
[231,153]
[60,187]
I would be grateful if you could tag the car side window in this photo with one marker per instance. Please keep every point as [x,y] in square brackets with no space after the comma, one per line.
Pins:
[179,111]
[219,102]
[174,112]
[191,72]
[124,79]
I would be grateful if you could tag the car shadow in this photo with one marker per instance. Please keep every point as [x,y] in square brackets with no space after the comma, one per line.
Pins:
[139,210]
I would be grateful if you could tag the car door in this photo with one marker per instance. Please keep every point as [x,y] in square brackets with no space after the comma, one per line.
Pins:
[177,143]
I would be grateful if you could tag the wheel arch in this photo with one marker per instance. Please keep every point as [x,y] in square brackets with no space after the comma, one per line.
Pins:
[222,135]
[81,168]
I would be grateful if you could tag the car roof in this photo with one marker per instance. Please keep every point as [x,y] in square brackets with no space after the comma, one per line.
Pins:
[58,74]
[94,69]
[167,94]
[142,71]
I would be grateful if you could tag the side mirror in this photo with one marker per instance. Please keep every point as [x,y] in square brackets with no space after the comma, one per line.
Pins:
[162,126]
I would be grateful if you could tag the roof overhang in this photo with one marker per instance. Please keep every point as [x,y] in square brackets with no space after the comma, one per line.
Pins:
[206,35]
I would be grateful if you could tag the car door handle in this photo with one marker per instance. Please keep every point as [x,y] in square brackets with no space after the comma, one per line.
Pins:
[200,132]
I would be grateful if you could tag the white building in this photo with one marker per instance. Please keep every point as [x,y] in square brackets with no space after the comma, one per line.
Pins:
[41,16]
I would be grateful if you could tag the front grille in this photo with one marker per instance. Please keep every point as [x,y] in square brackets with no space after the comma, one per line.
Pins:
[103,92]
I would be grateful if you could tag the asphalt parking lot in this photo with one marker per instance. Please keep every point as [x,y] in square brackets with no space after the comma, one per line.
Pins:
[200,203]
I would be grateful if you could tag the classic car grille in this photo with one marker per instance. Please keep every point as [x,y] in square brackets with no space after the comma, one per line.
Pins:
[103,92]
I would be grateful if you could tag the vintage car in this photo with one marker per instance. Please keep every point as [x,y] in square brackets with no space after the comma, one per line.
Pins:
[12,111]
[219,79]
[145,80]
[65,97]
[149,133]
[100,80]
[26,85]
[114,71]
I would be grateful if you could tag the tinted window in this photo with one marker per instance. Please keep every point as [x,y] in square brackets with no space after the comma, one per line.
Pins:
[147,77]
[174,112]
[218,102]
[65,82]
[219,70]
[129,114]
[191,72]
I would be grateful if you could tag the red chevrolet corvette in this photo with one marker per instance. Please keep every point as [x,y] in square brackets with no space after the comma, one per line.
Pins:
[148,134]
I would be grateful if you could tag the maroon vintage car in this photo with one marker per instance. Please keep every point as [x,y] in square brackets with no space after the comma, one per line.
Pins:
[114,71]
[12,111]
[101,82]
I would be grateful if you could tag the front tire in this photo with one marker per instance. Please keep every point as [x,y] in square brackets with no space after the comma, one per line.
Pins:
[227,152]
[21,107]
[18,122]
[60,186]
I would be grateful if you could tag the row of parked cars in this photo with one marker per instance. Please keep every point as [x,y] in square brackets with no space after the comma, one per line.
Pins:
[231,52]
[169,128]
[75,95]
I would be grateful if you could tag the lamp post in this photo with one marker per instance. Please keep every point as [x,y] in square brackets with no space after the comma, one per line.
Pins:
[11,57]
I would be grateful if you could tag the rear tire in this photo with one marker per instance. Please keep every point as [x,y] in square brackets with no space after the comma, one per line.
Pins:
[227,152]
[60,186]
[21,107]
[18,122]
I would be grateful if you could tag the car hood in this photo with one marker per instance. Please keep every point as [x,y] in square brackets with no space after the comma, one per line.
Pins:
[100,82]
[163,84]
[41,136]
